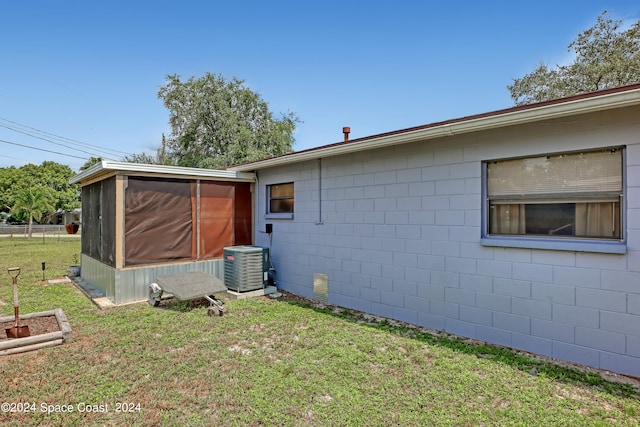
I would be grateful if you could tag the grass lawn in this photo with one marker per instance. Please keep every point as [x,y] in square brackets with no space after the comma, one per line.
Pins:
[274,363]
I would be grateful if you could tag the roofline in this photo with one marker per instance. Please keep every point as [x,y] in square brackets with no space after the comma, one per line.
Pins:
[578,104]
[109,168]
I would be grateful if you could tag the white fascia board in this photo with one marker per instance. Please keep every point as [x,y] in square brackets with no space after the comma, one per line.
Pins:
[140,168]
[473,124]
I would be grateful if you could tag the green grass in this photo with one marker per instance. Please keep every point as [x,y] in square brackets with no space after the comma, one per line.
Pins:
[275,363]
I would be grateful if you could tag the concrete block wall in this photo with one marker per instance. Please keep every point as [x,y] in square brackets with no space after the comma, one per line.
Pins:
[397,231]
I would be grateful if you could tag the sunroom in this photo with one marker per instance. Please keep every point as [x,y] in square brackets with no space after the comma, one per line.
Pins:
[141,221]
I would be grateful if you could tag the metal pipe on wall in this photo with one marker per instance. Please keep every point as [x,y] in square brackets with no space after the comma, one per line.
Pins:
[319,192]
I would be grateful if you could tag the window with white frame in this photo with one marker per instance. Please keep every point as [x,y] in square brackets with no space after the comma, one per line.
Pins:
[568,195]
[280,198]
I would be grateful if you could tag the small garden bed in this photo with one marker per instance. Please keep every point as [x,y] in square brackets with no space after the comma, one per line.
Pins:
[46,328]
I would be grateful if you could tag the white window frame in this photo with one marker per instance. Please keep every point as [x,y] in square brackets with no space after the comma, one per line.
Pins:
[279,215]
[569,243]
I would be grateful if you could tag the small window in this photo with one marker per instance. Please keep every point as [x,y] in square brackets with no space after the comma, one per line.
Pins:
[280,198]
[575,195]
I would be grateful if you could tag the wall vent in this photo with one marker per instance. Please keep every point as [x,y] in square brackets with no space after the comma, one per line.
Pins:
[321,288]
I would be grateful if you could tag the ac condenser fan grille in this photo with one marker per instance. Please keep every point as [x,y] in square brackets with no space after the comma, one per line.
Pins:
[244,268]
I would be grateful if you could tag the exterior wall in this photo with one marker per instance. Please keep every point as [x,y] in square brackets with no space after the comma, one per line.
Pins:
[397,231]
[123,285]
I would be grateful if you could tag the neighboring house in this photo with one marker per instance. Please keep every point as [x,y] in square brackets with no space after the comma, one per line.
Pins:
[61,217]
[519,227]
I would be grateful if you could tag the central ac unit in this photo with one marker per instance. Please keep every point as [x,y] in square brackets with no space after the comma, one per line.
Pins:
[246,268]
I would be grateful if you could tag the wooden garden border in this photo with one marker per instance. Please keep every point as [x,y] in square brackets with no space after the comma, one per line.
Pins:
[20,345]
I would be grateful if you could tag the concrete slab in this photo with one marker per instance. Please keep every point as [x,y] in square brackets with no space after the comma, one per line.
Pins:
[103,302]
[252,294]
[56,281]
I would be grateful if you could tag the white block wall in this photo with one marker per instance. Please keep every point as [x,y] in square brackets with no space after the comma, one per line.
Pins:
[397,231]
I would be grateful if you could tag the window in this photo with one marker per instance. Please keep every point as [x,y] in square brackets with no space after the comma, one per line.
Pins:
[280,199]
[571,195]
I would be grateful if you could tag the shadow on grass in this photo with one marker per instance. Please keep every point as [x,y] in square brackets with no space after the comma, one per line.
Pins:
[183,306]
[618,385]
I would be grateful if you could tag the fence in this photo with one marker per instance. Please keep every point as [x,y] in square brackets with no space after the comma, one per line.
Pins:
[36,230]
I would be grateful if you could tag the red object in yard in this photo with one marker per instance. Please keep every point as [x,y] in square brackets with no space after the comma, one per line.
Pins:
[72,228]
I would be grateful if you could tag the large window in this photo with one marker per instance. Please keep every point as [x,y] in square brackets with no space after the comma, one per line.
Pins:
[280,198]
[576,195]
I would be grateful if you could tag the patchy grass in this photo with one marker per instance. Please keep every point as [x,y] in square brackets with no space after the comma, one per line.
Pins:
[270,362]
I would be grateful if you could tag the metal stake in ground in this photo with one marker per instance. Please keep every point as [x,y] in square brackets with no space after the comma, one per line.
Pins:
[16,331]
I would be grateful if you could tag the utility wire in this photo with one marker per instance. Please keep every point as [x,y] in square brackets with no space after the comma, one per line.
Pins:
[64,138]
[42,149]
[14,158]
[72,141]
[53,142]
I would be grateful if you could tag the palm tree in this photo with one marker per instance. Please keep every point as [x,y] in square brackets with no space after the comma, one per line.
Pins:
[34,202]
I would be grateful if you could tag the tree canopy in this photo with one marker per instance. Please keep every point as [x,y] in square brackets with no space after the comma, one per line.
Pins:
[52,177]
[92,161]
[217,122]
[605,56]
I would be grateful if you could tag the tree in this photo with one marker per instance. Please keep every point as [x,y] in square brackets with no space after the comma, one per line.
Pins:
[54,176]
[92,161]
[9,181]
[34,202]
[162,157]
[605,56]
[217,122]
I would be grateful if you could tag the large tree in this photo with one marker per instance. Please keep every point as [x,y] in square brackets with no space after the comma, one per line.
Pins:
[217,122]
[605,56]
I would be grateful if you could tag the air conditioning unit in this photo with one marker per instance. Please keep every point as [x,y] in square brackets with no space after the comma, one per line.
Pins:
[246,268]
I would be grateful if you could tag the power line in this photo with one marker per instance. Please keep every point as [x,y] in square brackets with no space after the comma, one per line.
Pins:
[14,158]
[73,141]
[70,140]
[42,149]
[48,140]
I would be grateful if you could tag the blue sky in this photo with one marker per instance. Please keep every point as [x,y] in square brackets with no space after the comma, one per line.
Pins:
[85,74]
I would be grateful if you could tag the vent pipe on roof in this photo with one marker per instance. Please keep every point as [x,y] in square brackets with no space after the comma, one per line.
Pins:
[345,131]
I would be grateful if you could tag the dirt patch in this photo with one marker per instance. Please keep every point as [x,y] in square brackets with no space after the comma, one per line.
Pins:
[37,326]
[54,281]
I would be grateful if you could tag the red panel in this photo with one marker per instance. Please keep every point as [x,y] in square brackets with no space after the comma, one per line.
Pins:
[242,214]
[216,218]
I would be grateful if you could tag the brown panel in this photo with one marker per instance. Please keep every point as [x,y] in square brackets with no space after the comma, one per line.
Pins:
[242,214]
[157,220]
[216,218]
[194,219]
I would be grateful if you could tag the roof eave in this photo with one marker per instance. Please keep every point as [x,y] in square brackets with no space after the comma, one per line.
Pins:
[502,118]
[107,168]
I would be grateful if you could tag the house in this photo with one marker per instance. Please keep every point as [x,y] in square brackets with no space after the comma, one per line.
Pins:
[142,221]
[518,227]
[62,216]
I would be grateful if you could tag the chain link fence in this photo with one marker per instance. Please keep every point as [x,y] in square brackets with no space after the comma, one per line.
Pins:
[22,230]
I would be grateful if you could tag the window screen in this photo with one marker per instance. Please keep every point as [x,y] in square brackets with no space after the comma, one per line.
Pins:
[571,194]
